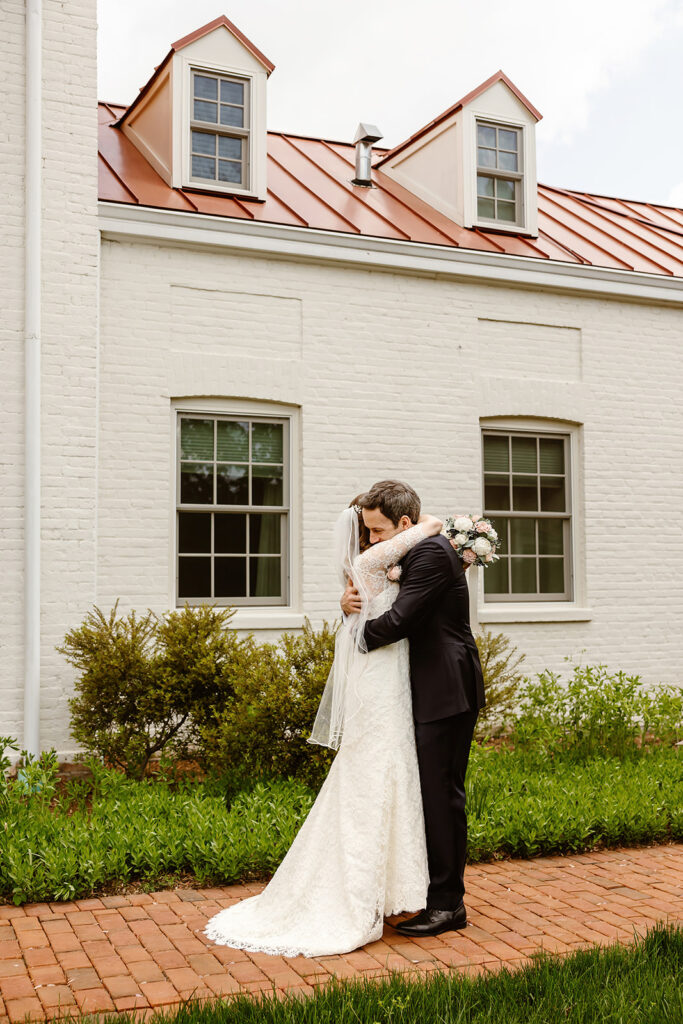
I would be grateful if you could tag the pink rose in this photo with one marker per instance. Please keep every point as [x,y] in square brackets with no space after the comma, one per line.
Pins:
[394,574]
[469,556]
[475,519]
[482,527]
[489,558]
[453,543]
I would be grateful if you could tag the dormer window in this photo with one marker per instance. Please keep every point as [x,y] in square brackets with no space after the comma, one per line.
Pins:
[499,173]
[219,129]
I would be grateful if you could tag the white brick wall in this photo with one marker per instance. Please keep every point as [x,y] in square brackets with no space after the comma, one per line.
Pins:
[390,372]
[69,351]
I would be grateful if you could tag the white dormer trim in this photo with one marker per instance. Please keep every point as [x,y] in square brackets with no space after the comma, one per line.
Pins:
[528,224]
[182,115]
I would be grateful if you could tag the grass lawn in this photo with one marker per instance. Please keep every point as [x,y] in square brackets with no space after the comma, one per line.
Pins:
[101,834]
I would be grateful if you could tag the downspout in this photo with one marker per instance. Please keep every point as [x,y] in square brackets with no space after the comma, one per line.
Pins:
[32,324]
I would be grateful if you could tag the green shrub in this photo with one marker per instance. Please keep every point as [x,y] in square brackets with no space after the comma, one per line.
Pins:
[147,682]
[595,712]
[264,725]
[500,663]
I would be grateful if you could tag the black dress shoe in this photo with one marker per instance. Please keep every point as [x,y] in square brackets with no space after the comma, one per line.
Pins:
[433,922]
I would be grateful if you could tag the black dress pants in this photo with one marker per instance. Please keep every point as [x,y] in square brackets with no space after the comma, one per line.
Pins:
[443,749]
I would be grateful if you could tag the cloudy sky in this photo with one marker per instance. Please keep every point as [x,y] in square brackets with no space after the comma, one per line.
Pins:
[607,75]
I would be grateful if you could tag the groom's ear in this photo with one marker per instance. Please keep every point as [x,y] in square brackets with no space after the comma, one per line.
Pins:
[405,523]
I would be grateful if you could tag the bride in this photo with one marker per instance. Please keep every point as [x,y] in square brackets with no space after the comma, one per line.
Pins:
[360,855]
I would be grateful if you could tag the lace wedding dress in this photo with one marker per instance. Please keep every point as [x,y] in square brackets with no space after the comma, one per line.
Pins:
[360,855]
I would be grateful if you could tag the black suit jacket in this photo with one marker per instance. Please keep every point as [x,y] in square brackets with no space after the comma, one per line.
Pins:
[432,610]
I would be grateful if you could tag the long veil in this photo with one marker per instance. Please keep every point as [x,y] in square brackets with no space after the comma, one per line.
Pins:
[340,700]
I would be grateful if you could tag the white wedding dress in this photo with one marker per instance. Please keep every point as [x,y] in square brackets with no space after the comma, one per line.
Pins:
[360,855]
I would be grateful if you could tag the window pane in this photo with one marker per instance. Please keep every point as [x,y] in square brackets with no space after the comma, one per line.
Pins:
[506,211]
[485,208]
[496,577]
[551,574]
[505,189]
[232,483]
[264,535]
[523,575]
[524,455]
[524,494]
[266,485]
[202,167]
[205,88]
[230,149]
[552,494]
[523,536]
[196,483]
[265,577]
[552,455]
[507,139]
[484,185]
[507,161]
[230,533]
[194,577]
[487,157]
[500,525]
[228,170]
[232,116]
[204,111]
[496,454]
[266,442]
[550,537]
[204,142]
[196,439]
[230,577]
[194,531]
[233,92]
[496,492]
[486,135]
[232,441]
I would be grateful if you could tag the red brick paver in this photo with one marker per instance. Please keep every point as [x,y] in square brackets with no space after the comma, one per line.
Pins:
[146,951]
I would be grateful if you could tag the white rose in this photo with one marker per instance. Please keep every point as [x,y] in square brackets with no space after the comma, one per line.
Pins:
[463,524]
[492,534]
[461,538]
[481,546]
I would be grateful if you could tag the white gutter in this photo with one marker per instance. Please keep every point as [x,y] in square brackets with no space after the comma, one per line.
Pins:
[32,289]
[123,222]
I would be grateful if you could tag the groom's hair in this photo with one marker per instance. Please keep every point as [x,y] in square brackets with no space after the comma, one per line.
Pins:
[394,500]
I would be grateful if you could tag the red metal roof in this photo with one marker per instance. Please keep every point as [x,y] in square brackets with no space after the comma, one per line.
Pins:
[309,185]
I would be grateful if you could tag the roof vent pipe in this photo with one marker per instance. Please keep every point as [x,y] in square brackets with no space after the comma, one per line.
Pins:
[366,134]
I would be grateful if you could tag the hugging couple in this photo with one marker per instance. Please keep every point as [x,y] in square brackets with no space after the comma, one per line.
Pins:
[387,832]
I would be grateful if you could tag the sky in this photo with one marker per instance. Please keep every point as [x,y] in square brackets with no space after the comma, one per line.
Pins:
[607,75]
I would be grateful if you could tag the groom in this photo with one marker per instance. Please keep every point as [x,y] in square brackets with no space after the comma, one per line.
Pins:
[432,610]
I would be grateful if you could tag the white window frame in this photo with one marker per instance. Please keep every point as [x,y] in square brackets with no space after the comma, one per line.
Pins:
[491,611]
[517,176]
[254,144]
[252,615]
[217,129]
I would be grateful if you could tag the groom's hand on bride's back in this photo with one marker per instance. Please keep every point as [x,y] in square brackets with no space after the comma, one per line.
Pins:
[350,600]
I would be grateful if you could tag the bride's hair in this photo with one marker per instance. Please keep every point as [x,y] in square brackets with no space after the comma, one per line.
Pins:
[363,532]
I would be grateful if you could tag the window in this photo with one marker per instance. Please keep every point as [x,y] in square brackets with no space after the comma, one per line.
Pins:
[499,177]
[526,494]
[232,509]
[219,132]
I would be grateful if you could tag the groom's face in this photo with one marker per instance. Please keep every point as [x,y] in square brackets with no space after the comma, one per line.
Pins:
[382,528]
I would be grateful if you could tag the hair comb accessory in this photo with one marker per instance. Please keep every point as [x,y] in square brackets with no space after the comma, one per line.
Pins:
[357,508]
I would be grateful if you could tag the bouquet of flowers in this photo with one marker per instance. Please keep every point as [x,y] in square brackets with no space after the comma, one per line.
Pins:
[473,538]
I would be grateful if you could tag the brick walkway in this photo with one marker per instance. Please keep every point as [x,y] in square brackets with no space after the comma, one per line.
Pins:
[144,951]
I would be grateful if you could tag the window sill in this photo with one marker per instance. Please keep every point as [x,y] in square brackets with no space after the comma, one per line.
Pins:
[528,613]
[267,618]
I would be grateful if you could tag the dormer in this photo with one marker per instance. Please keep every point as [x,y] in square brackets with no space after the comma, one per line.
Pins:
[200,120]
[476,162]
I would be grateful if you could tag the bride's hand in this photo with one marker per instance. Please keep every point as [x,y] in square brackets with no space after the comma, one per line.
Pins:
[431,524]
